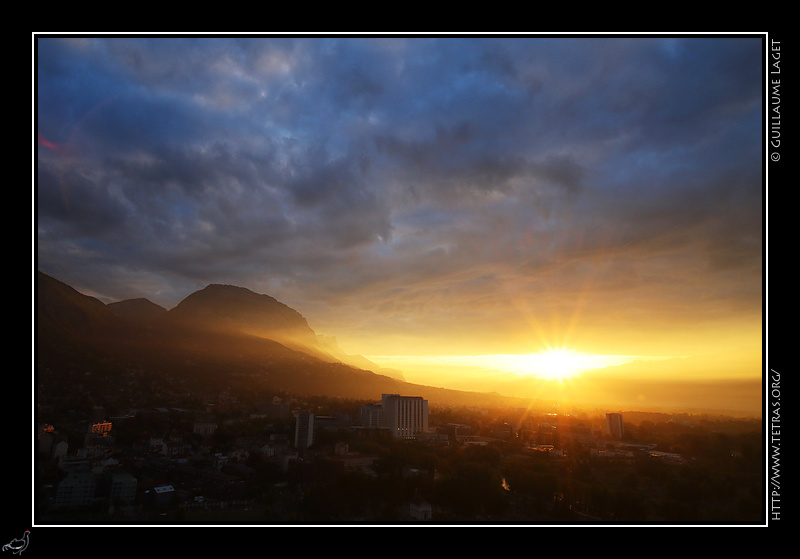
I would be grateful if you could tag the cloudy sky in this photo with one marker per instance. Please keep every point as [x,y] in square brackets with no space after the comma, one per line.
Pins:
[415,195]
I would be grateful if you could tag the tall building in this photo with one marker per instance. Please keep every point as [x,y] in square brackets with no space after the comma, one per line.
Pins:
[614,425]
[304,430]
[371,415]
[405,416]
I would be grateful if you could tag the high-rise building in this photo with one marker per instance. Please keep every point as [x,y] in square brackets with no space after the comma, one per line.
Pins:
[614,425]
[304,430]
[371,415]
[405,416]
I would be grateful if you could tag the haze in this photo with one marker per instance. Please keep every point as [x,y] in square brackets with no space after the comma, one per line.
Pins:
[429,202]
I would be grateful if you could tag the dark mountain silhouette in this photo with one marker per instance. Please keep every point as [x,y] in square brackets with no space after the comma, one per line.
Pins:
[138,310]
[68,321]
[236,308]
[62,311]
[214,340]
[231,309]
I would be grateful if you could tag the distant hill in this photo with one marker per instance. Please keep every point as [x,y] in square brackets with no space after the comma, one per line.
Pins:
[138,310]
[227,307]
[217,339]
[232,309]
[66,318]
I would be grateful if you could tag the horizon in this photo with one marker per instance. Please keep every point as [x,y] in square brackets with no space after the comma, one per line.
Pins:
[457,205]
[541,379]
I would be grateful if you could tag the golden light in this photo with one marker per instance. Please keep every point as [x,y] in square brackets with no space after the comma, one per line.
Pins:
[468,371]
[557,364]
[550,364]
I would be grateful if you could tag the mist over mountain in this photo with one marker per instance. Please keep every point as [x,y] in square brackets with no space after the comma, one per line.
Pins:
[220,338]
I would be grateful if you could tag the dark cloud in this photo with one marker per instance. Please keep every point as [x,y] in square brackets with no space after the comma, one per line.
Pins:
[403,175]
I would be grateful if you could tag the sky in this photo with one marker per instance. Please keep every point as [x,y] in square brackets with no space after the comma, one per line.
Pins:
[420,196]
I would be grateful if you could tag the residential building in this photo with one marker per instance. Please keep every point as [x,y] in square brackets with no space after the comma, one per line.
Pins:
[371,416]
[204,428]
[405,416]
[121,487]
[304,430]
[76,489]
[614,425]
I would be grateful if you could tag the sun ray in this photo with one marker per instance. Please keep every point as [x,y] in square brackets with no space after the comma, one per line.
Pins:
[557,364]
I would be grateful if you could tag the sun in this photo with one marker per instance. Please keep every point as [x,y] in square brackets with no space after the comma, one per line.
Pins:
[556,364]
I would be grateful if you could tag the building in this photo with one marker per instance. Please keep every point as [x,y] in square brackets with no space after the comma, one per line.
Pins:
[333,421]
[275,410]
[163,494]
[101,429]
[76,489]
[304,430]
[419,509]
[404,416]
[204,428]
[352,461]
[121,487]
[371,416]
[614,425]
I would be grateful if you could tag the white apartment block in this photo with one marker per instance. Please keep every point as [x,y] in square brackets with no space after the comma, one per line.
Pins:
[405,416]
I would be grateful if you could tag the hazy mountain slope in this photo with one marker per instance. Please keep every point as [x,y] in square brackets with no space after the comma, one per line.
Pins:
[329,345]
[97,349]
[237,309]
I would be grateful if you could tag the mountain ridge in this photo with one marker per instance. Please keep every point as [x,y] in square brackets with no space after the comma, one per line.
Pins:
[221,307]
[76,332]
[139,310]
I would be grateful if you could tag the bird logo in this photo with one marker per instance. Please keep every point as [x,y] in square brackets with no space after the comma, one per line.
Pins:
[17,546]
